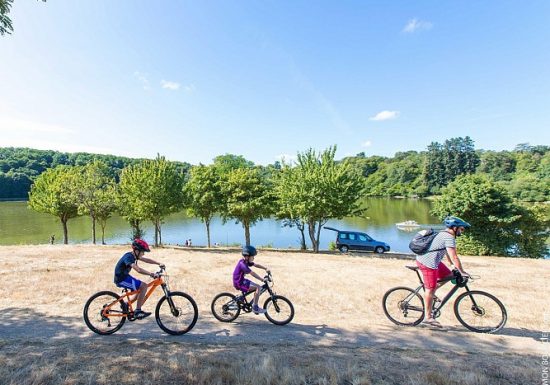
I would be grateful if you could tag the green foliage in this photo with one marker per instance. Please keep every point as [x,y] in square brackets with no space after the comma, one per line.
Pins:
[94,192]
[150,190]
[497,222]
[445,162]
[6,26]
[318,189]
[203,194]
[332,246]
[247,197]
[51,193]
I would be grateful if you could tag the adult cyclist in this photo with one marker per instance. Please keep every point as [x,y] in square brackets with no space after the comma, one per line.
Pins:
[432,267]
[123,278]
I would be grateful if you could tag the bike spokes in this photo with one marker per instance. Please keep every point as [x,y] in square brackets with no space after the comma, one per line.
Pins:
[480,312]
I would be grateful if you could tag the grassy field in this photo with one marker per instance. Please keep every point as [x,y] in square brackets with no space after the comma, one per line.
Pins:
[338,336]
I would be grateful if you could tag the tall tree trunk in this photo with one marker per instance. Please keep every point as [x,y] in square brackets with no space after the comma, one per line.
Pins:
[311,230]
[103,225]
[156,223]
[207,224]
[301,226]
[93,229]
[318,235]
[247,233]
[65,230]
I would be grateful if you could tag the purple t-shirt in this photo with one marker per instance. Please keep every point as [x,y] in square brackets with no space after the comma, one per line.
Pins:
[238,274]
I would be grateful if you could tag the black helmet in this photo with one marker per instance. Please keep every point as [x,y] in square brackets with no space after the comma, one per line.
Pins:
[249,251]
[456,222]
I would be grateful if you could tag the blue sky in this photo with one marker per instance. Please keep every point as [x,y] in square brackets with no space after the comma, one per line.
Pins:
[195,79]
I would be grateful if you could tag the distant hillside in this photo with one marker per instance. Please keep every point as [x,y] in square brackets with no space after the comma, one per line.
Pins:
[524,172]
[20,166]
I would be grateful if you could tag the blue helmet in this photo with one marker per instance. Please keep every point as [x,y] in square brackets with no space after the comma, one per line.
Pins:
[456,222]
[249,251]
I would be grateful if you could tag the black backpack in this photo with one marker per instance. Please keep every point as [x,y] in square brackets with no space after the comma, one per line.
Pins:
[422,241]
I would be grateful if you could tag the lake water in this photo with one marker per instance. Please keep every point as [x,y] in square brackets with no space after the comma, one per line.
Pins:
[20,225]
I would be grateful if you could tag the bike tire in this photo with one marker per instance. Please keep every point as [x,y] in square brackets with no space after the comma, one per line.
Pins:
[279,310]
[225,308]
[394,306]
[479,306]
[185,318]
[93,317]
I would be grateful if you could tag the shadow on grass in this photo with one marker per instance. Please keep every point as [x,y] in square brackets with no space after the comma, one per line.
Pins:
[24,323]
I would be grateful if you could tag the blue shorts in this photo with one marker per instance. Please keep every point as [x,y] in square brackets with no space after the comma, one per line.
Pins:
[129,283]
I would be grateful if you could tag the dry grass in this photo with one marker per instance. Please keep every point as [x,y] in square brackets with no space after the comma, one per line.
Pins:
[44,341]
[156,362]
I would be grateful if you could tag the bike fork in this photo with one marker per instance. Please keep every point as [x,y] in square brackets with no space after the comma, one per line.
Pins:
[173,309]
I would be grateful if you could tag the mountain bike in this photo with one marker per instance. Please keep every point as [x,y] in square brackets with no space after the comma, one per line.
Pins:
[176,312]
[226,307]
[476,310]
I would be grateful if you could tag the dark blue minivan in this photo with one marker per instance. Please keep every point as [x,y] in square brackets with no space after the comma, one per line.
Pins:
[354,240]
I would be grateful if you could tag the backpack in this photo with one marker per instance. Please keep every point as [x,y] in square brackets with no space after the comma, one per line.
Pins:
[422,241]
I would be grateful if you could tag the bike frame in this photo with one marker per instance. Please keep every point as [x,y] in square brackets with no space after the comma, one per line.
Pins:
[265,287]
[447,297]
[151,287]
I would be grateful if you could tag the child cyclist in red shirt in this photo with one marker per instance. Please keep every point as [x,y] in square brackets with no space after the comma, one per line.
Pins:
[243,268]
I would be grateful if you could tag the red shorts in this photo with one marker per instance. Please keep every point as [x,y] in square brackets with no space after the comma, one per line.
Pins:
[431,276]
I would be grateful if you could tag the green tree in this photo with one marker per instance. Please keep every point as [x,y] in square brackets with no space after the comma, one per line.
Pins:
[318,189]
[247,197]
[90,186]
[151,189]
[105,206]
[497,221]
[51,194]
[445,162]
[203,194]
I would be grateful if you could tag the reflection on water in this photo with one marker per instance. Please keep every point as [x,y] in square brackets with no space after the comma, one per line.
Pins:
[20,225]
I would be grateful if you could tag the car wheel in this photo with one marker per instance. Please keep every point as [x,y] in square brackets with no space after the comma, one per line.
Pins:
[344,249]
[379,250]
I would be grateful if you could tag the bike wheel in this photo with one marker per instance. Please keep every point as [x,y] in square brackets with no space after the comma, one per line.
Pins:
[279,310]
[225,308]
[179,318]
[403,306]
[103,314]
[480,312]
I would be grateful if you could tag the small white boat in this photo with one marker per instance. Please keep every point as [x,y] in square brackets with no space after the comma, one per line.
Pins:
[407,224]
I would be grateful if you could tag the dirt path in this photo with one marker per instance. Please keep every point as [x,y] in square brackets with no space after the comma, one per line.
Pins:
[248,328]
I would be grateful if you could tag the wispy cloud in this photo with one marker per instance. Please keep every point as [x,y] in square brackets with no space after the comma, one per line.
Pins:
[367,143]
[385,115]
[142,79]
[415,24]
[169,85]
[190,88]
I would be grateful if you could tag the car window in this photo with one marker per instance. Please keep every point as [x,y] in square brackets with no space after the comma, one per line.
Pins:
[363,238]
[352,236]
[343,236]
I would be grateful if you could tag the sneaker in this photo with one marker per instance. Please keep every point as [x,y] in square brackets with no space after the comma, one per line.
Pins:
[140,314]
[258,310]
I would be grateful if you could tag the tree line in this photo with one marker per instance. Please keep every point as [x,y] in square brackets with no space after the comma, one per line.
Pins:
[307,193]
[303,194]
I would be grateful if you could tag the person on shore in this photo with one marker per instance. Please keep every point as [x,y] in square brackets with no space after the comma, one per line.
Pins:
[123,278]
[432,267]
[243,268]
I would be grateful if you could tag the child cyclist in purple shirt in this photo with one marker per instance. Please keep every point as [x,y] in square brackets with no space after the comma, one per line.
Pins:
[243,268]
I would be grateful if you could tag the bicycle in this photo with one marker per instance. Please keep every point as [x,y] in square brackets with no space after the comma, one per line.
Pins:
[476,310]
[176,313]
[226,307]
